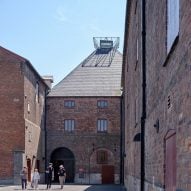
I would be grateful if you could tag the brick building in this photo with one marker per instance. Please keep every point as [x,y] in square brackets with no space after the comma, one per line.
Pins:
[157,95]
[22,98]
[83,118]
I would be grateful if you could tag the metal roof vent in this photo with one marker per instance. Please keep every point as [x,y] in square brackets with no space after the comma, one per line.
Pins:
[106,44]
[104,53]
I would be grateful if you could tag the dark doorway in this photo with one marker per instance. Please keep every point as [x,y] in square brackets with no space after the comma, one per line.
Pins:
[107,174]
[29,169]
[170,161]
[65,157]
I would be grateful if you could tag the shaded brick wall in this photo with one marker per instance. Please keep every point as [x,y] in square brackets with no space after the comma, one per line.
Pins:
[168,95]
[85,141]
[132,97]
[34,113]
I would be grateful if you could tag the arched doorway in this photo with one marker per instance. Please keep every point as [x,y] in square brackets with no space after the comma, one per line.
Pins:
[65,157]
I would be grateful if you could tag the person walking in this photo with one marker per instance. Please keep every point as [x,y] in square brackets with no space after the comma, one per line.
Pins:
[50,175]
[62,175]
[24,175]
[35,178]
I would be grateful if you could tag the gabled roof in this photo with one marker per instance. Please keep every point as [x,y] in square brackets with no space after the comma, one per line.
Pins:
[98,75]
[10,56]
[7,54]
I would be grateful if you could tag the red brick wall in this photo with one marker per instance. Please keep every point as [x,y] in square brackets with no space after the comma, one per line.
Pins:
[18,88]
[11,113]
[85,140]
[163,82]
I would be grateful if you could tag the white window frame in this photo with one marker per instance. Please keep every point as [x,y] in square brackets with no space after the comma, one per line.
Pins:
[102,125]
[69,103]
[69,125]
[102,103]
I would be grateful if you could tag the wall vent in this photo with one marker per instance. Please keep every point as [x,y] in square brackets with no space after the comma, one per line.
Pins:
[169,102]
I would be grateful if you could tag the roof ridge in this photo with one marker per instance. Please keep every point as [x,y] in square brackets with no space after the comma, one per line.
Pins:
[20,58]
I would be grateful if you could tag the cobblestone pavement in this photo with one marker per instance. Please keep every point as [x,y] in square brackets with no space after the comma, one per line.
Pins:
[69,188]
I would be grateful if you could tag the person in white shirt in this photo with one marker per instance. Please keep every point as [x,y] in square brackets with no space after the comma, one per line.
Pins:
[35,178]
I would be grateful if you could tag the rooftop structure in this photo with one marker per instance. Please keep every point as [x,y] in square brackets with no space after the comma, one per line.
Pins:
[98,75]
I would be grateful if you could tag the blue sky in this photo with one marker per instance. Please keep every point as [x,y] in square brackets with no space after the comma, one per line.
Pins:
[57,35]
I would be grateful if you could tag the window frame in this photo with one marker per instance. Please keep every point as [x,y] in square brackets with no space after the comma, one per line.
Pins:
[102,103]
[69,125]
[102,125]
[69,104]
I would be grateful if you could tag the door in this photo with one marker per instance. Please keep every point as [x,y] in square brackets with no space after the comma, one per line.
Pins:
[107,174]
[29,169]
[170,161]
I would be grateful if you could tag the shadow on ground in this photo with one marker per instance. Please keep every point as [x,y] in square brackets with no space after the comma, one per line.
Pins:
[105,188]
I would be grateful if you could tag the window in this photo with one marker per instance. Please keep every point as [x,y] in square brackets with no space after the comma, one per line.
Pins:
[69,125]
[136,112]
[28,108]
[69,103]
[172,22]
[137,49]
[102,157]
[102,125]
[102,103]
[37,92]
[30,136]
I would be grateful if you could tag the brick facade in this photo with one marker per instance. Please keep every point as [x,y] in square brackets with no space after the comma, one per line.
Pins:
[22,116]
[167,94]
[84,142]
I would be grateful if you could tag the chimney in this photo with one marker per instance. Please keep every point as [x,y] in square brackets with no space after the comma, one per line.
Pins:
[48,80]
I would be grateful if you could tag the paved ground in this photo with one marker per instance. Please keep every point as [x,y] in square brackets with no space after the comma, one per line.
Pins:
[70,188]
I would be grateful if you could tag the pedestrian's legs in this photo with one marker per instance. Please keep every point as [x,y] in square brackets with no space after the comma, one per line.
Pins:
[35,183]
[49,180]
[25,183]
[22,183]
[61,180]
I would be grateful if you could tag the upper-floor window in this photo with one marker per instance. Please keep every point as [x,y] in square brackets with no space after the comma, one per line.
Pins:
[37,92]
[28,108]
[102,103]
[102,125]
[172,22]
[69,103]
[69,125]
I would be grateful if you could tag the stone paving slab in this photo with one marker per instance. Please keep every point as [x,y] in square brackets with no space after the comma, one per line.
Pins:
[69,188]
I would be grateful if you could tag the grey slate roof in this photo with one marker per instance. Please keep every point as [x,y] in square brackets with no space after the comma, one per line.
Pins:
[92,78]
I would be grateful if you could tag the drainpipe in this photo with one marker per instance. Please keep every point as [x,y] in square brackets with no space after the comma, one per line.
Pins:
[143,96]
[143,117]
[45,131]
[122,138]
